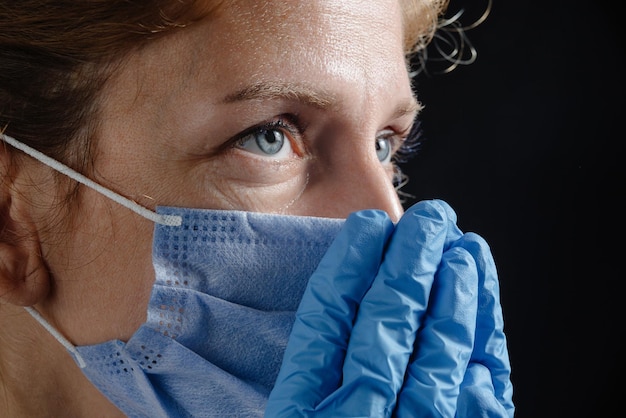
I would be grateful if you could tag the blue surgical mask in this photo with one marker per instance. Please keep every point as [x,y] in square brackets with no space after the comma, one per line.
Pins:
[226,290]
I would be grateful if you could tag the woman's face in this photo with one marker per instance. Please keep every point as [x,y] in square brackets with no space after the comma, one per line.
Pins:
[271,106]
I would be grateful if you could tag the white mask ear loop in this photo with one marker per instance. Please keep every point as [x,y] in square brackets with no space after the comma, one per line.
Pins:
[57,335]
[169,220]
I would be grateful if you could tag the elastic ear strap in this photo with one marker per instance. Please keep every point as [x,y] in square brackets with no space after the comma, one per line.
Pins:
[57,335]
[169,220]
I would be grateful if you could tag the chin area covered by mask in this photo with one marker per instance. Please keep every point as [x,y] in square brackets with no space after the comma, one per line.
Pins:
[227,285]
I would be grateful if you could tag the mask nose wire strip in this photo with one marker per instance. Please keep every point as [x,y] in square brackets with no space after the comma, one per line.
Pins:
[57,335]
[168,220]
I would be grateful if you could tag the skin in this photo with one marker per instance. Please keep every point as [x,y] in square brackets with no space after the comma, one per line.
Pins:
[170,134]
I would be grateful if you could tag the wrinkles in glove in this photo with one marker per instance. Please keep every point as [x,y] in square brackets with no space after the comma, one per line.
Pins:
[487,390]
[386,303]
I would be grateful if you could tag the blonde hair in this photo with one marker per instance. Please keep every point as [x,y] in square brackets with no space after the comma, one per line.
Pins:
[421,20]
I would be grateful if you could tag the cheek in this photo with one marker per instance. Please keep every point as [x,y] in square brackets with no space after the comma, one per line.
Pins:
[92,231]
[273,191]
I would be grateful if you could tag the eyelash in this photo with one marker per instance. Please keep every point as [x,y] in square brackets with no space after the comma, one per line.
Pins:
[411,145]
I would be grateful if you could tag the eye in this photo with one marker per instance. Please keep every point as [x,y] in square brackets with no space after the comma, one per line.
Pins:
[274,139]
[265,142]
[384,147]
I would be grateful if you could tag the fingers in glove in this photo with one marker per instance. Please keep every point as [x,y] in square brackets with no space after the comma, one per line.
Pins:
[390,314]
[477,399]
[315,353]
[490,347]
[444,344]
[454,233]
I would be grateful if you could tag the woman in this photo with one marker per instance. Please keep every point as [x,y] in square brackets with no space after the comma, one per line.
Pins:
[285,108]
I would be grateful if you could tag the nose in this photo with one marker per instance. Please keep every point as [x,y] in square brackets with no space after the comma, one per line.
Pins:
[358,181]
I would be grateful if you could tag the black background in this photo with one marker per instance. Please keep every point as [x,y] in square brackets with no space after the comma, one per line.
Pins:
[526,145]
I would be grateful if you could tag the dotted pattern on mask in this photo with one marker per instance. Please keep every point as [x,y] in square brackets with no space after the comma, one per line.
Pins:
[148,358]
[207,233]
[115,363]
[170,319]
[175,264]
[174,252]
[176,248]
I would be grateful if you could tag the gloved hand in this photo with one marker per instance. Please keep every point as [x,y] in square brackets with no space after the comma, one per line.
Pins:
[486,389]
[390,321]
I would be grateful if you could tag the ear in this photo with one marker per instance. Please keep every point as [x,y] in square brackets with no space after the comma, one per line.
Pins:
[24,278]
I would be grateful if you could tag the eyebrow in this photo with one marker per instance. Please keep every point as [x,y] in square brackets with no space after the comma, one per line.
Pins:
[305,94]
[289,91]
[410,107]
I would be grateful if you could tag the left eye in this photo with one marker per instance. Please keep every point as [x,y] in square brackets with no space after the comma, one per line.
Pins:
[266,142]
[383,149]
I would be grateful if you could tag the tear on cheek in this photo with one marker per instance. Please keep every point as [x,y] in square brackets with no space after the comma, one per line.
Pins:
[254,197]
[284,209]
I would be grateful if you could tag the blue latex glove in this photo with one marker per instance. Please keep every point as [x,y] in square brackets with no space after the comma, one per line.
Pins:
[387,303]
[486,390]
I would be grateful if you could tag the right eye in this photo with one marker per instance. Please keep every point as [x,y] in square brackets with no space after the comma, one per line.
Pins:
[383,150]
[274,140]
[266,142]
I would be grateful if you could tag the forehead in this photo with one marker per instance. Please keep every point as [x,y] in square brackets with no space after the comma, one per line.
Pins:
[307,13]
[350,48]
[319,17]
[251,36]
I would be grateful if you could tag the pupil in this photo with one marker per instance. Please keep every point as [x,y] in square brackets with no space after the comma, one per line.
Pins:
[270,141]
[270,137]
[383,149]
